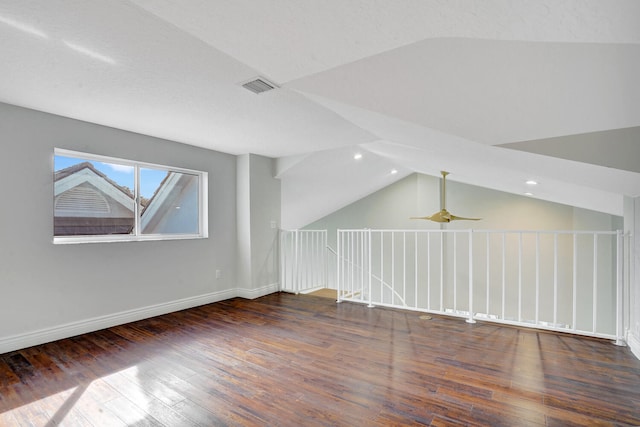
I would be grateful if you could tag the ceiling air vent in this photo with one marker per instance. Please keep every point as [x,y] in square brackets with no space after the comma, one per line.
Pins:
[259,85]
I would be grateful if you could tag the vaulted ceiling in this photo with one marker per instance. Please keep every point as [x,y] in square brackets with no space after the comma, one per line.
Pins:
[496,92]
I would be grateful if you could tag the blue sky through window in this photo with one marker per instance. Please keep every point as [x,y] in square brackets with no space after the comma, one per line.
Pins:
[120,174]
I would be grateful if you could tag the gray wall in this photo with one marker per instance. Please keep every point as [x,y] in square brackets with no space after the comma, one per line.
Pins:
[44,285]
[243,205]
[265,219]
[419,195]
[258,219]
[632,226]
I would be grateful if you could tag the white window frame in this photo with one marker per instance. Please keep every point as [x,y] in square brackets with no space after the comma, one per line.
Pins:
[136,236]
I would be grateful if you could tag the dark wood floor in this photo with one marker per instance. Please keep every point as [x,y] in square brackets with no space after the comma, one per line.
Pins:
[287,360]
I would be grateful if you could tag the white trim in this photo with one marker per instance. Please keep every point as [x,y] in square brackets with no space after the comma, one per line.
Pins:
[204,202]
[634,344]
[257,293]
[203,206]
[42,336]
[16,342]
[112,238]
[124,162]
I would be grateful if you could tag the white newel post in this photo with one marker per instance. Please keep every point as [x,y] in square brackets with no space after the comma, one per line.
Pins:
[338,258]
[369,267]
[471,319]
[620,289]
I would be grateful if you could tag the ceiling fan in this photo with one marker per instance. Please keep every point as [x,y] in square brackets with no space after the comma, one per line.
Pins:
[444,215]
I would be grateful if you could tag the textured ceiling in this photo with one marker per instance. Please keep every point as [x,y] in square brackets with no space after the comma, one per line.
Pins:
[418,85]
[493,92]
[617,149]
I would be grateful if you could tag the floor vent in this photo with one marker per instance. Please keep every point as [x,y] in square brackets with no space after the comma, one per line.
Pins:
[259,85]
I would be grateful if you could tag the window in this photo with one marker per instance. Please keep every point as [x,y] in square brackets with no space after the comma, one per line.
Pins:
[99,198]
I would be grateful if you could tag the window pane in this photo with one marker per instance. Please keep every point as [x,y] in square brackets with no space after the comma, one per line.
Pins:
[100,198]
[169,202]
[92,198]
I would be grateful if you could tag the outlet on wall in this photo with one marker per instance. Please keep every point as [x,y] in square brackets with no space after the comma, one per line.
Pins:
[218,274]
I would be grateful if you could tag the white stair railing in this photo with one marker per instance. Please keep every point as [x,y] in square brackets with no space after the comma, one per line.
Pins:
[570,281]
[304,260]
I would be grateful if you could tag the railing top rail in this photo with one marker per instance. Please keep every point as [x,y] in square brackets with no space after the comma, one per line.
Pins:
[467,230]
[399,230]
[549,231]
[303,230]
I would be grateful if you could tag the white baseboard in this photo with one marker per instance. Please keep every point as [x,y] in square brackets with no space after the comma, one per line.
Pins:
[42,336]
[634,344]
[46,335]
[257,293]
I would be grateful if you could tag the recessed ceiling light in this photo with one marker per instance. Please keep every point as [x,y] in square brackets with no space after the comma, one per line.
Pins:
[531,182]
[357,156]
[394,171]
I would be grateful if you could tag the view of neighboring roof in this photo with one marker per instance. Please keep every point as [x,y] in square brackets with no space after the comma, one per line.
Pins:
[87,201]
[71,170]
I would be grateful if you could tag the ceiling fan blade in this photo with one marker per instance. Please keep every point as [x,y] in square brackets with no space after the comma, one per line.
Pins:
[441,216]
[445,216]
[461,218]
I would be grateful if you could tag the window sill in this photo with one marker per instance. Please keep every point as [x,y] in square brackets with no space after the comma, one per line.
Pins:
[72,240]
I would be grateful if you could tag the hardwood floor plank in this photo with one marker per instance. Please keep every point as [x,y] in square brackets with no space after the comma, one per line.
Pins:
[28,414]
[130,414]
[292,360]
[22,368]
[140,394]
[62,408]
[8,419]
[155,387]
[197,414]
[7,376]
